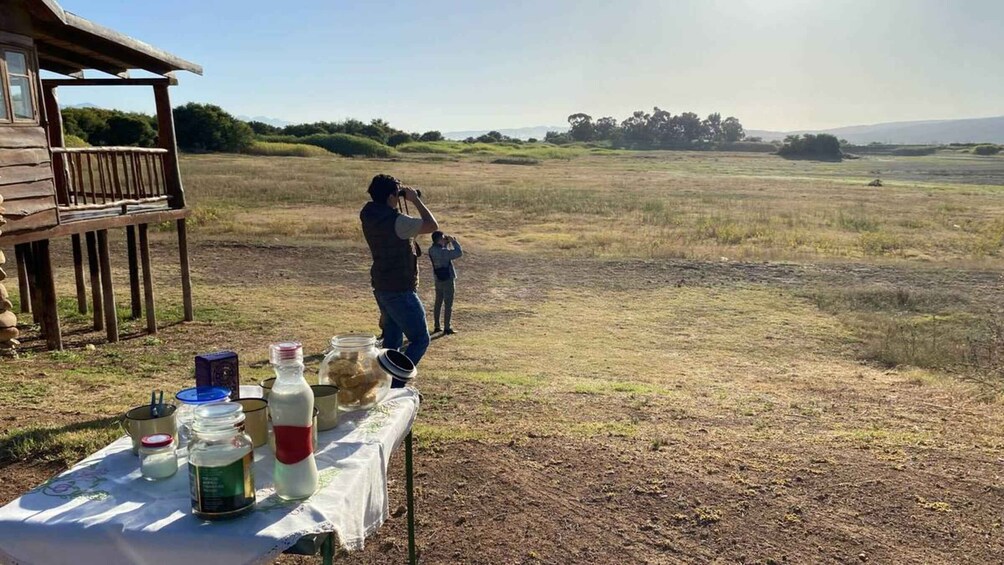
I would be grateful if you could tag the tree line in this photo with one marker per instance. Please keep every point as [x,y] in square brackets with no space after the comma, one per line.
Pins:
[656,130]
[378,130]
[207,127]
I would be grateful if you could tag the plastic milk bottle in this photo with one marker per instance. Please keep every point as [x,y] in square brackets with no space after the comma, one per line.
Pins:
[291,405]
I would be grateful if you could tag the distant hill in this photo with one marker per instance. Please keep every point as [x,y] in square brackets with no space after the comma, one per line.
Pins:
[266,120]
[519,133]
[972,130]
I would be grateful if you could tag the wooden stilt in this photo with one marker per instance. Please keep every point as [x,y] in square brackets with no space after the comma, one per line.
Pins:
[134,298]
[144,254]
[24,290]
[31,275]
[47,291]
[107,290]
[186,276]
[78,274]
[95,272]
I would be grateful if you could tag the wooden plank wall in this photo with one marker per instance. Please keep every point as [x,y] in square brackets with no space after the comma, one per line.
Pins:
[26,182]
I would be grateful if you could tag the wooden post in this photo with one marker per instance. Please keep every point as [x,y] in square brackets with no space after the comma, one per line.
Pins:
[166,140]
[54,127]
[47,290]
[95,272]
[23,286]
[144,254]
[111,316]
[134,298]
[78,274]
[31,275]
[186,277]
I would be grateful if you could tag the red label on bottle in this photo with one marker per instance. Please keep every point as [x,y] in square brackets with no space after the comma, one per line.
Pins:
[293,443]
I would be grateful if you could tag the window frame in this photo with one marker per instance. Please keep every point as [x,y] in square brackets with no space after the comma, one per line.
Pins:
[8,95]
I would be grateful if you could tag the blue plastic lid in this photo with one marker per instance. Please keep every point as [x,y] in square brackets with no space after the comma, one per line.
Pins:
[203,394]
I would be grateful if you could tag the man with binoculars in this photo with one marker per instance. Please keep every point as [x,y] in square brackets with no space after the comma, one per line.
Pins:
[390,235]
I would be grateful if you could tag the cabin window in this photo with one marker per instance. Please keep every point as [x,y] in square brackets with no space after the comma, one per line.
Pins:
[16,86]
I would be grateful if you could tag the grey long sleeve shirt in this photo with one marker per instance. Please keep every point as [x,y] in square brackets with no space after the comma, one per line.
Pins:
[443,256]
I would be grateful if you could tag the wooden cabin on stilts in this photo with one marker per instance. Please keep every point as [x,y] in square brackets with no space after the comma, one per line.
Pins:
[49,191]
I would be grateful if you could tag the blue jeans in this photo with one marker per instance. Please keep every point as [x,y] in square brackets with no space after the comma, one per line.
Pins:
[403,314]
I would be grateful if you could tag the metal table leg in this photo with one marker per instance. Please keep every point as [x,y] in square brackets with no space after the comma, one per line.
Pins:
[328,550]
[412,557]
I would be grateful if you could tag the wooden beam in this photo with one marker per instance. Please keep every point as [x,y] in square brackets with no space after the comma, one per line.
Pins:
[162,59]
[107,289]
[167,81]
[20,174]
[166,140]
[49,51]
[54,126]
[108,149]
[134,293]
[34,223]
[81,226]
[35,189]
[95,272]
[29,156]
[78,273]
[61,66]
[47,283]
[24,290]
[144,253]
[24,136]
[186,276]
[23,208]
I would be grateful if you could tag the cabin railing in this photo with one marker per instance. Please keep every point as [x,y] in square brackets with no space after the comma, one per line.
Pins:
[96,178]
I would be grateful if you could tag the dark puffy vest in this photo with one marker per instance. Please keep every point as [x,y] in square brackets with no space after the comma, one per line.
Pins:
[395,267]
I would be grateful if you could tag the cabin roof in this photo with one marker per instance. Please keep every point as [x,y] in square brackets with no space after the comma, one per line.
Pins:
[68,44]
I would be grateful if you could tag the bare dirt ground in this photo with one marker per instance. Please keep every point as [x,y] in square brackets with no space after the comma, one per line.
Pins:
[709,494]
[756,463]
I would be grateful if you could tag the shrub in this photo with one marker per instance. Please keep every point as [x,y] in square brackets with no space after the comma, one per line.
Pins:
[126,129]
[822,147]
[431,136]
[205,127]
[399,138]
[348,145]
[278,138]
[986,149]
[516,161]
[74,141]
[285,149]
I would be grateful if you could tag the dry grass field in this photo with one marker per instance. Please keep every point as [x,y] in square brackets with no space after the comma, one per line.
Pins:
[662,357]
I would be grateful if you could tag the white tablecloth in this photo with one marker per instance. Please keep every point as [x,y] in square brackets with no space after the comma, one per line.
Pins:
[102,511]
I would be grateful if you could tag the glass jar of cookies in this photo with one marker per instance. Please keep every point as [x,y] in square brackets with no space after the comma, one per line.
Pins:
[351,366]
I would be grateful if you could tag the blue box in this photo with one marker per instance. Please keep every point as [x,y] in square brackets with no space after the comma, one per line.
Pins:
[219,369]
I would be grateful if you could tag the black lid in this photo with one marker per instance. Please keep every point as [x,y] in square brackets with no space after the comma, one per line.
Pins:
[397,364]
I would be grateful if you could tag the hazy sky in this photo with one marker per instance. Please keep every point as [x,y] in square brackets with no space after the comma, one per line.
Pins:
[477,64]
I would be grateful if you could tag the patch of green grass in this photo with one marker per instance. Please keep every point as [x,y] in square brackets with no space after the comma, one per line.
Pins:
[52,443]
[276,149]
[31,392]
[888,299]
